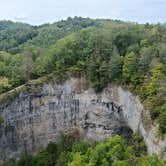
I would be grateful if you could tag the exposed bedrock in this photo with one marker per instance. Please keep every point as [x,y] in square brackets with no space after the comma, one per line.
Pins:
[31,120]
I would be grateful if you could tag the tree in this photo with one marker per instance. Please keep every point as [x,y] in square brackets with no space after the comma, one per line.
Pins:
[26,67]
[110,150]
[146,54]
[98,73]
[156,75]
[129,67]
[43,158]
[26,160]
[115,68]
[77,160]
[162,121]
[4,84]
[80,146]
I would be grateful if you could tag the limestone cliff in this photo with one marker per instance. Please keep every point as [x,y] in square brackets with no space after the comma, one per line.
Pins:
[32,119]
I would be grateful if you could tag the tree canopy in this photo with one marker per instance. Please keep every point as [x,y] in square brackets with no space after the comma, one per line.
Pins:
[104,51]
[70,151]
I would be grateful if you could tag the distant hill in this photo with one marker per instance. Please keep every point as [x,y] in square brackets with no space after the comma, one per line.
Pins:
[14,34]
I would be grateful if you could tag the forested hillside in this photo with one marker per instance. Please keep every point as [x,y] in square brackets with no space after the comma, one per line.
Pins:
[104,51]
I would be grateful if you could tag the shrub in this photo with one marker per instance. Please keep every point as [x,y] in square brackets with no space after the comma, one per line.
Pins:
[162,122]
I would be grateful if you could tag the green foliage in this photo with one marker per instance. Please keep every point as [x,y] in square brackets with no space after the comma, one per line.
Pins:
[43,158]
[26,67]
[129,67]
[26,160]
[162,122]
[153,160]
[113,149]
[128,39]
[105,51]
[115,68]
[157,73]
[138,145]
[77,160]
[4,84]
[98,74]
[111,152]
[154,91]
[80,147]
[1,120]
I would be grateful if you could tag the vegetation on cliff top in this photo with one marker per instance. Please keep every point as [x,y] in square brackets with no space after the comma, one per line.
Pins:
[104,51]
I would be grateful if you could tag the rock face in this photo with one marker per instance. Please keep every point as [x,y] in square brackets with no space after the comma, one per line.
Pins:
[136,118]
[31,120]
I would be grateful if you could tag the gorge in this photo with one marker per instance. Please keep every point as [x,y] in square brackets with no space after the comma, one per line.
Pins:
[33,118]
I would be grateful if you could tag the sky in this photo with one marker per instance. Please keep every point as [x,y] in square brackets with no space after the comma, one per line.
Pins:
[47,11]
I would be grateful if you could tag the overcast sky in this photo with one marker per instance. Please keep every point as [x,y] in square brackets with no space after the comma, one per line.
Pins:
[44,11]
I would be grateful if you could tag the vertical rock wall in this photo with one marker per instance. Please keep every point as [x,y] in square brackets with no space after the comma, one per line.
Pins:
[31,120]
[136,117]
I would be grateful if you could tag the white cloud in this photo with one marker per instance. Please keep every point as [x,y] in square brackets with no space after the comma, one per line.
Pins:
[21,17]
[41,11]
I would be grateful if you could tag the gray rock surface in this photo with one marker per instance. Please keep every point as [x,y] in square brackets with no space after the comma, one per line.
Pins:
[31,120]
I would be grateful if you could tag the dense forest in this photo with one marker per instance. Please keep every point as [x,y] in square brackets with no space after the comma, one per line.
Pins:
[73,151]
[104,51]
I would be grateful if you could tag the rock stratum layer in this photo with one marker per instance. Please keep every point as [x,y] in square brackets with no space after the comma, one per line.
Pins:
[33,119]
